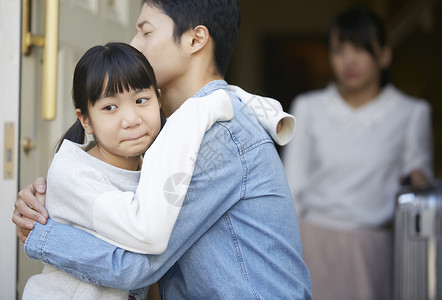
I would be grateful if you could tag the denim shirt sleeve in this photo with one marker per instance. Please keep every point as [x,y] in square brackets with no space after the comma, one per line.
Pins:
[93,260]
[86,257]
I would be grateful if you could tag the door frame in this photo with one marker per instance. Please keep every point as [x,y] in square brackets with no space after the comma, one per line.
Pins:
[10,60]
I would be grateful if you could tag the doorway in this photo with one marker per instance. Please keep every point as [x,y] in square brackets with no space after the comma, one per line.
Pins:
[9,128]
[82,24]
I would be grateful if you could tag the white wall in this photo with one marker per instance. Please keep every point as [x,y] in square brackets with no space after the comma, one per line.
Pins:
[9,111]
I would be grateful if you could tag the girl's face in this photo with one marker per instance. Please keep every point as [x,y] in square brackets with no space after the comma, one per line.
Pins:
[354,67]
[124,125]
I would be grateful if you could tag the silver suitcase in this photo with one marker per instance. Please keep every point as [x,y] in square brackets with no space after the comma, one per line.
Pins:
[418,245]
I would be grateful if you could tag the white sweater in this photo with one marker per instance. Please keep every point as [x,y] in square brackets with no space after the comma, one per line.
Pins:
[343,165]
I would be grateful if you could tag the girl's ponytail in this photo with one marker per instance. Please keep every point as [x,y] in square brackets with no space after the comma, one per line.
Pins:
[75,134]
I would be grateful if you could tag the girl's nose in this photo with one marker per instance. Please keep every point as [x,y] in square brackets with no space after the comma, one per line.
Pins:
[131,118]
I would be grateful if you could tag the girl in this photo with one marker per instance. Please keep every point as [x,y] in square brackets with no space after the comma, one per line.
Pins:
[355,140]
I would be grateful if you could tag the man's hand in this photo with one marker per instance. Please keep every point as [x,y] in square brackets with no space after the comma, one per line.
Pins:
[29,207]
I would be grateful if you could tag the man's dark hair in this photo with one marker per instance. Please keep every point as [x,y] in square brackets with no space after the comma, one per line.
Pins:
[221,17]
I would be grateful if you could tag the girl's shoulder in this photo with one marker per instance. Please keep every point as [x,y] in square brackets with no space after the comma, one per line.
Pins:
[69,158]
[71,152]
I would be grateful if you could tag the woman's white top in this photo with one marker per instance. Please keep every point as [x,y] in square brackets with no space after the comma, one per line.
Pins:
[344,164]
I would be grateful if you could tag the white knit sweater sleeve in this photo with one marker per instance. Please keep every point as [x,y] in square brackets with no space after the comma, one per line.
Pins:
[269,113]
[143,222]
[418,154]
[296,155]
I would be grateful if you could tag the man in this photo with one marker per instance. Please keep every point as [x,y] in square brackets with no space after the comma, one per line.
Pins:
[237,235]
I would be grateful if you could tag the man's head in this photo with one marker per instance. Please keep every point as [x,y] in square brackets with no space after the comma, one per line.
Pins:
[222,18]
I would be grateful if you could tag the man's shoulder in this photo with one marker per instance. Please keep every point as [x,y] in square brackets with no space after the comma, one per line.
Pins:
[244,130]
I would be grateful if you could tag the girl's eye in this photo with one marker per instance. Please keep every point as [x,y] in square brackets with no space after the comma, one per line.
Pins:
[110,107]
[142,100]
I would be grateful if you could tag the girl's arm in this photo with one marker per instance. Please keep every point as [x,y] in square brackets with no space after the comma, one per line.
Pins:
[278,124]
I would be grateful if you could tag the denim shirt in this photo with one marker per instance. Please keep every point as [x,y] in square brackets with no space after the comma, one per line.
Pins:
[237,235]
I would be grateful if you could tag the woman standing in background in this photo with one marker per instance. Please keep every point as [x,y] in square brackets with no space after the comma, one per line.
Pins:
[355,141]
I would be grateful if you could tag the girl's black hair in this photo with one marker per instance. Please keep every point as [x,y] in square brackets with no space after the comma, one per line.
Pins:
[361,27]
[107,70]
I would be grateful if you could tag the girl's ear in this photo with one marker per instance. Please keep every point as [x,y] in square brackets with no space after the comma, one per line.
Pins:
[385,57]
[84,121]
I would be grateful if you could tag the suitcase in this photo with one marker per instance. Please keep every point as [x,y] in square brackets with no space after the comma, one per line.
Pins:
[417,244]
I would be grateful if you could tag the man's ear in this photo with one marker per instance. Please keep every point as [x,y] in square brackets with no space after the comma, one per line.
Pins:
[385,57]
[199,38]
[159,98]
[84,121]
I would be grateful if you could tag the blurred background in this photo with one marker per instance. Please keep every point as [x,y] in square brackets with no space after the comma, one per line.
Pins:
[281,52]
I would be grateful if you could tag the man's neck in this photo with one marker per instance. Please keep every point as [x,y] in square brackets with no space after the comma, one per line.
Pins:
[174,94]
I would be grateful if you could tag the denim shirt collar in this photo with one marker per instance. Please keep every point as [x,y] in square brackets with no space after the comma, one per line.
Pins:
[210,87]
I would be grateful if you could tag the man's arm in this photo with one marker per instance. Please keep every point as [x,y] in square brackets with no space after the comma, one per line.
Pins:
[114,265]
[88,256]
